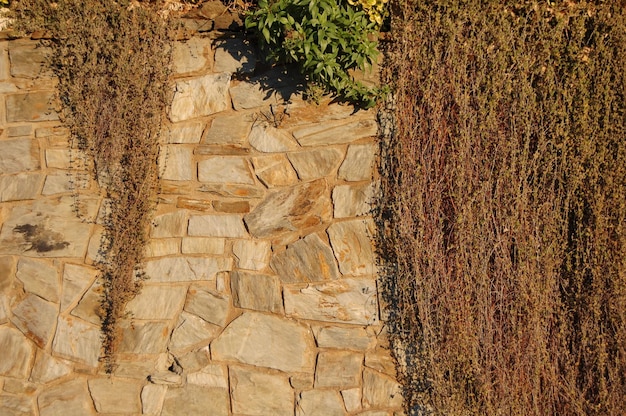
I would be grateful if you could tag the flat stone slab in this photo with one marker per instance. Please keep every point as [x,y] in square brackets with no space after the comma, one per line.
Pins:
[68,398]
[191,330]
[306,260]
[196,400]
[320,403]
[19,155]
[257,394]
[256,291]
[186,269]
[77,341]
[336,132]
[352,245]
[18,353]
[31,106]
[316,163]
[36,318]
[39,277]
[115,396]
[200,97]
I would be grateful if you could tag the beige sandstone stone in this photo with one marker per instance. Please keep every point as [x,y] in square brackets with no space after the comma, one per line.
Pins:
[199,97]
[375,413]
[350,338]
[175,163]
[36,318]
[19,155]
[129,366]
[317,163]
[320,403]
[232,207]
[77,341]
[338,369]
[157,302]
[306,260]
[162,247]
[290,209]
[380,359]
[357,166]
[15,386]
[274,171]
[352,399]
[186,133]
[251,254]
[266,341]
[58,158]
[39,277]
[234,56]
[256,291]
[20,187]
[228,129]
[191,55]
[68,398]
[233,191]
[76,280]
[208,306]
[352,200]
[335,132]
[380,390]
[173,224]
[31,106]
[225,169]
[18,405]
[29,60]
[18,353]
[347,301]
[194,204]
[195,360]
[257,394]
[62,182]
[152,398]
[225,225]
[196,400]
[213,375]
[115,396]
[302,381]
[268,139]
[185,269]
[144,337]
[88,308]
[4,308]
[48,368]
[352,246]
[203,245]
[191,330]
[7,272]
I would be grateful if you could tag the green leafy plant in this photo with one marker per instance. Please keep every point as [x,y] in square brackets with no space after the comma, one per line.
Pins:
[326,38]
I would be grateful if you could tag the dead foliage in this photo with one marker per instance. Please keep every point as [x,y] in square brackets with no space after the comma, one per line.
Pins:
[502,220]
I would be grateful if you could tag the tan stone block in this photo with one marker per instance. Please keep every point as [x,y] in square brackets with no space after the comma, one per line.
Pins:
[88,308]
[196,400]
[158,247]
[58,158]
[352,245]
[20,187]
[274,171]
[176,163]
[191,55]
[48,368]
[28,59]
[7,272]
[232,207]
[157,302]
[144,337]
[203,245]
[338,369]
[336,132]
[352,200]
[19,155]
[115,396]
[226,225]
[257,394]
[380,390]
[31,106]
[190,331]
[16,405]
[185,269]
[68,398]
[77,341]
[18,353]
[62,182]
[200,97]
[358,164]
[228,129]
[268,139]
[194,204]
[212,375]
[208,306]
[351,338]
[352,399]
[251,254]
[256,291]
[173,224]
[317,163]
[225,169]
[320,403]
[39,277]
[179,133]
[234,190]
[307,260]
[152,398]
[76,280]
[36,318]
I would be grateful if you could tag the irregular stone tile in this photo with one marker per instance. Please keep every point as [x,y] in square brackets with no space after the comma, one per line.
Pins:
[212,308]
[194,204]
[76,340]
[352,245]
[213,375]
[159,247]
[157,302]
[274,171]
[54,132]
[131,367]
[348,300]
[232,207]
[266,341]
[256,291]
[88,308]
[76,280]
[273,86]
[39,277]
[19,155]
[144,337]
[62,182]
[337,132]
[234,56]
[233,191]
[225,169]
[176,163]
[319,403]
[18,353]
[338,369]
[173,224]
[48,368]
[19,405]
[191,330]
[191,55]
[28,59]
[185,269]
[184,133]
[200,97]
[357,166]
[251,254]
[351,399]
[15,386]
[302,113]
[48,228]
[196,400]
[115,396]
[225,225]
[19,187]
[228,129]
[380,390]
[58,158]
[302,381]
[4,308]
[35,317]
[352,200]
[7,272]
[257,394]
[68,398]
[313,164]
[306,260]
[268,139]
[203,245]
[380,360]
[343,338]
[290,209]
[31,106]
[152,398]
[375,413]
[17,131]
[195,360]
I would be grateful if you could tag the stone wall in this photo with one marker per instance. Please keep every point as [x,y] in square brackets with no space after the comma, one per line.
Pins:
[261,298]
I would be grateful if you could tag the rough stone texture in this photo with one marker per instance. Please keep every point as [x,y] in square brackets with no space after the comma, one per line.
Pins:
[18,353]
[157,302]
[115,396]
[208,306]
[217,226]
[290,209]
[175,163]
[313,164]
[31,106]
[68,398]
[269,139]
[77,341]
[185,133]
[352,200]
[320,403]
[234,56]
[20,405]
[58,158]
[35,317]
[199,97]
[335,132]
[191,330]
[39,277]
[225,169]
[258,394]
[233,191]
[19,187]
[251,254]
[380,390]
[266,341]
[173,224]
[28,60]
[76,280]
[195,400]
[351,399]
[191,55]
[213,375]
[152,398]
[256,291]
[348,301]
[88,308]
[306,260]
[48,368]
[228,129]
[19,155]
[352,245]
[185,269]
[144,337]
[358,163]
[203,245]
[61,182]
[162,247]
[274,171]
[343,338]
[338,369]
